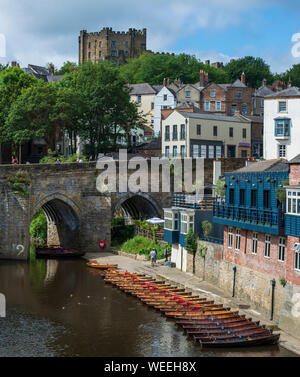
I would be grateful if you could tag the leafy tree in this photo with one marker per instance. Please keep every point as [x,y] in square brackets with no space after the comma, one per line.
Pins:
[192,245]
[32,114]
[68,67]
[2,67]
[255,69]
[220,188]
[207,228]
[38,226]
[292,74]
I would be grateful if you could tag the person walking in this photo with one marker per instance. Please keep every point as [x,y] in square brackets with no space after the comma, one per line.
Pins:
[152,257]
[166,253]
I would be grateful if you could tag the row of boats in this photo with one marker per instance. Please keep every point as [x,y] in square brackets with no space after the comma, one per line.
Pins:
[207,323]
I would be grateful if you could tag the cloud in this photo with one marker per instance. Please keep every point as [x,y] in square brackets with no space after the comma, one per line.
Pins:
[39,31]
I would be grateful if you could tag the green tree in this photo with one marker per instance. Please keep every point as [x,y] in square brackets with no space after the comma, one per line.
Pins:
[255,69]
[68,67]
[192,246]
[38,226]
[292,74]
[32,114]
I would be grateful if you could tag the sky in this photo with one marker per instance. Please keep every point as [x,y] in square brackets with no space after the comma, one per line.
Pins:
[43,31]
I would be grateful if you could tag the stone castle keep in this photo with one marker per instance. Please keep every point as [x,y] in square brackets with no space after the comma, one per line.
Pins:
[110,45]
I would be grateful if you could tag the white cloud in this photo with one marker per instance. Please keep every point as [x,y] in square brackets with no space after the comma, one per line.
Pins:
[39,31]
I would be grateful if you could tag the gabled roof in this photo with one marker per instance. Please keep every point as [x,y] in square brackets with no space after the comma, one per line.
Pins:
[238,84]
[263,91]
[192,85]
[158,88]
[140,89]
[264,166]
[38,70]
[286,93]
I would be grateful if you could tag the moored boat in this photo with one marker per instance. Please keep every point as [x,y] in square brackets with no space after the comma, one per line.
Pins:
[60,252]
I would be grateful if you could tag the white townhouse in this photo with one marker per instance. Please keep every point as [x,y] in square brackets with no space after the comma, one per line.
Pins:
[165,99]
[282,124]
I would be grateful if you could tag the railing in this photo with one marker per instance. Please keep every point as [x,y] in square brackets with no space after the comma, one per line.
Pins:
[218,241]
[193,201]
[149,234]
[246,215]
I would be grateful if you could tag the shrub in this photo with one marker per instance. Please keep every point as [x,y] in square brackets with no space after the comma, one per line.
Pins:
[119,236]
[118,221]
[38,226]
[143,246]
[220,188]
[207,228]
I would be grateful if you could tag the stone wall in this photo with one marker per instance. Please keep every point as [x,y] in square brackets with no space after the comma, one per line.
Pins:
[251,286]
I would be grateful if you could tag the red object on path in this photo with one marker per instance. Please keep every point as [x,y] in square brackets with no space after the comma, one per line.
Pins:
[102,244]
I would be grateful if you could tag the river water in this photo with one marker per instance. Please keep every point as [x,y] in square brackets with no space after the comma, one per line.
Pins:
[62,308]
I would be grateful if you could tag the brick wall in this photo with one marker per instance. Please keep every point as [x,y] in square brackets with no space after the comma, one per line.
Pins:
[295,174]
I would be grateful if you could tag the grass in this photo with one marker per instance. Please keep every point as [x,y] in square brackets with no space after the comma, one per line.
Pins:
[142,246]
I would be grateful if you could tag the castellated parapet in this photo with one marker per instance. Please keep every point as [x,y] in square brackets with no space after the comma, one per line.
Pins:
[111,45]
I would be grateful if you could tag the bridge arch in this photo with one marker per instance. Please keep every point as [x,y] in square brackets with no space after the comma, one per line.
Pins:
[138,206]
[63,220]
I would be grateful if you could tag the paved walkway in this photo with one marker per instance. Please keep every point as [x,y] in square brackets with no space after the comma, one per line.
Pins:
[195,285]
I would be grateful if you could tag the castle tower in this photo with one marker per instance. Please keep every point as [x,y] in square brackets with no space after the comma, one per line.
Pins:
[111,45]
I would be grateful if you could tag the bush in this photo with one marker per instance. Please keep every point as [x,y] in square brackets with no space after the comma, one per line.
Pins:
[143,246]
[53,156]
[120,235]
[118,221]
[38,226]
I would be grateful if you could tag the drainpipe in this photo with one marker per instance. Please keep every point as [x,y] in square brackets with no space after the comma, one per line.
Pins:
[273,284]
[234,279]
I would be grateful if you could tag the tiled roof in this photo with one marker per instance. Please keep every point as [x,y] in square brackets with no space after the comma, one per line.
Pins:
[263,91]
[140,89]
[267,165]
[289,92]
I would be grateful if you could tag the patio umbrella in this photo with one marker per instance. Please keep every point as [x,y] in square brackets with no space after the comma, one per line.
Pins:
[155,220]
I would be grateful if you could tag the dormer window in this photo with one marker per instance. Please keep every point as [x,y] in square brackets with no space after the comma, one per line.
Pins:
[171,220]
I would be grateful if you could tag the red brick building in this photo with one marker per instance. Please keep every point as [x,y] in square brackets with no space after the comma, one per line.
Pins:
[227,98]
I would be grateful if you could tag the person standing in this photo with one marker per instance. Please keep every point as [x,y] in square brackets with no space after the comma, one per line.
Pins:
[152,257]
[166,253]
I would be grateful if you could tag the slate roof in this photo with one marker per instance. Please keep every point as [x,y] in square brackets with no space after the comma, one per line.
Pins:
[264,166]
[295,160]
[289,92]
[140,89]
[56,78]
[212,117]
[263,91]
[38,70]
[153,145]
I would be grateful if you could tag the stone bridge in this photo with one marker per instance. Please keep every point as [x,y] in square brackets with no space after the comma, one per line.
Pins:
[78,215]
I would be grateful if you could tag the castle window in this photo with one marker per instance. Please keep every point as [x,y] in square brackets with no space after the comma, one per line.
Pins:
[100,54]
[126,54]
[89,44]
[100,44]
[114,53]
[89,55]
[143,46]
[113,44]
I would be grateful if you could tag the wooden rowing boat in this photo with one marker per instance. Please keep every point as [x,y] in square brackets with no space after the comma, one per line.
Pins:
[59,252]
[100,266]
[241,342]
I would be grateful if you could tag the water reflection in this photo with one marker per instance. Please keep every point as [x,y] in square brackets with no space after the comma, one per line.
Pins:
[60,308]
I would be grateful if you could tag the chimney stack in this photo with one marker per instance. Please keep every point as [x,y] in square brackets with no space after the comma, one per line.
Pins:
[14,64]
[207,62]
[203,78]
[168,81]
[165,82]
[51,69]
[290,83]
[264,82]
[243,78]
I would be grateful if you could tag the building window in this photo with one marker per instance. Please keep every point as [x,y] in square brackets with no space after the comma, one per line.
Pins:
[175,135]
[126,44]
[167,152]
[213,93]
[182,132]
[254,198]
[211,151]
[230,132]
[182,151]
[139,99]
[231,197]
[282,127]
[187,223]
[207,106]
[215,130]
[254,243]
[244,154]
[281,249]
[188,94]
[195,151]
[296,248]
[165,97]
[282,151]
[267,199]
[114,53]
[268,247]
[100,44]
[152,105]
[198,129]
[171,221]
[126,54]
[218,151]
[230,238]
[242,197]
[238,240]
[244,109]
[244,133]
[89,55]
[167,133]
[89,44]
[175,151]
[238,95]
[203,151]
[282,106]
[233,109]
[113,44]
[293,202]
[218,106]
